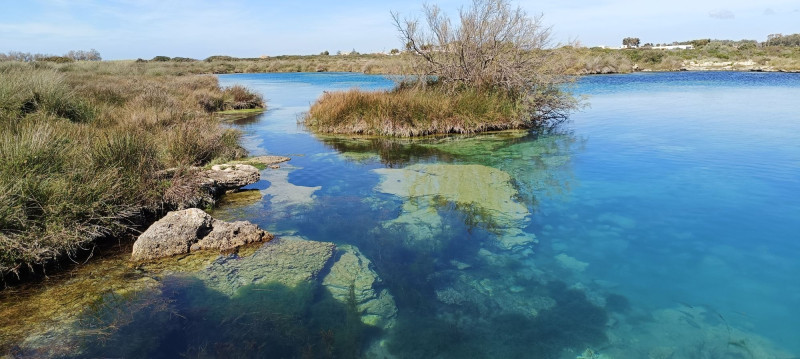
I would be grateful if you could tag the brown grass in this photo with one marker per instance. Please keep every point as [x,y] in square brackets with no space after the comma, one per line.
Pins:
[80,151]
[411,111]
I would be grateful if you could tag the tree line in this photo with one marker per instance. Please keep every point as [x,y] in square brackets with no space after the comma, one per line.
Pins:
[783,40]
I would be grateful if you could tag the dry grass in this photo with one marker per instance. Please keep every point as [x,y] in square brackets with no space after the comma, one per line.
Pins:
[411,111]
[79,151]
[371,63]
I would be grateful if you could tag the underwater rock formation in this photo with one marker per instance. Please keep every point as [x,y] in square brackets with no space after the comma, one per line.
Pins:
[484,194]
[287,260]
[490,296]
[291,261]
[283,193]
[352,278]
[189,230]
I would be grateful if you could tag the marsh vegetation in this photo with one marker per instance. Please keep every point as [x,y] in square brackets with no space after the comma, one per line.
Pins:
[81,150]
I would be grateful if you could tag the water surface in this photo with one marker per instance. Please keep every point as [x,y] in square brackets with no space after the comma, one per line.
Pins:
[659,222]
[675,194]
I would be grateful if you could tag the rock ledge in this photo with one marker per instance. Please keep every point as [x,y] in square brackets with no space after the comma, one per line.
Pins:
[190,230]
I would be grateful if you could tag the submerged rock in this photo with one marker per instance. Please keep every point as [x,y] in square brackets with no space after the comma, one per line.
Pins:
[284,194]
[352,279]
[484,194]
[287,260]
[490,296]
[344,271]
[181,232]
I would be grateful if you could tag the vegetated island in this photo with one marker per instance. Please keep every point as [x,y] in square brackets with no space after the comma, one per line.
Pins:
[489,72]
[86,154]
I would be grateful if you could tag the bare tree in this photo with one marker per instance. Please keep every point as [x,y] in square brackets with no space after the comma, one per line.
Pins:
[493,47]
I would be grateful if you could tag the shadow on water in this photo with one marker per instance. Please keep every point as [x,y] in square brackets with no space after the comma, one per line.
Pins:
[187,319]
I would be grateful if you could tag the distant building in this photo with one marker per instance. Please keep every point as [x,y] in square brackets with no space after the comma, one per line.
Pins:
[674,47]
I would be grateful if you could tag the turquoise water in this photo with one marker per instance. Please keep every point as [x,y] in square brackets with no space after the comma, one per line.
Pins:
[676,194]
[660,222]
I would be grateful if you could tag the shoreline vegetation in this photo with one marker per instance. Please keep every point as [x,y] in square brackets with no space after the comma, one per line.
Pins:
[707,55]
[87,154]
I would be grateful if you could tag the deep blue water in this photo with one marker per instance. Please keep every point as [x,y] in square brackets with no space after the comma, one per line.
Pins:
[667,214]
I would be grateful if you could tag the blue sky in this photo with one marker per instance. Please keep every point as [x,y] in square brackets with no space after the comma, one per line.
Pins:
[129,29]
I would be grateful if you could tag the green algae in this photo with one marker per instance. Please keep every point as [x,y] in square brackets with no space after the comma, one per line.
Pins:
[113,307]
[50,314]
[240,198]
[485,194]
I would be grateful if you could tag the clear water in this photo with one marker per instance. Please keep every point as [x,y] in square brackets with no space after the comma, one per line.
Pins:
[677,191]
[661,221]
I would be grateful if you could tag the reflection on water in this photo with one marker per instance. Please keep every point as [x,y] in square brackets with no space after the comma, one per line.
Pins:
[622,235]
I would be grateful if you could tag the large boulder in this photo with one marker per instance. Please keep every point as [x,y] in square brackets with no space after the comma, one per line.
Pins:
[181,232]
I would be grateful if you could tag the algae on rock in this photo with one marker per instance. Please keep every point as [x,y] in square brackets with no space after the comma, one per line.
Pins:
[287,260]
[484,193]
[352,278]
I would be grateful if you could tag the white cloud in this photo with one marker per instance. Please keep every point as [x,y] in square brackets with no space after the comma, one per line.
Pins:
[722,14]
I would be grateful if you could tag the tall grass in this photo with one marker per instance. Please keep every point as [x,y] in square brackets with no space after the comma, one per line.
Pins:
[412,111]
[80,152]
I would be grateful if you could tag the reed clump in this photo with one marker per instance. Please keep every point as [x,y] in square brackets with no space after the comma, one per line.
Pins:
[81,152]
[407,111]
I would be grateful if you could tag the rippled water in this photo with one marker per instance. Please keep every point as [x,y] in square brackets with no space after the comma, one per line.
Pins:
[662,221]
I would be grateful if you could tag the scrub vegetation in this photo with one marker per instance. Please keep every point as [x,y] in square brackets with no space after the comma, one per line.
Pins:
[82,151]
[488,71]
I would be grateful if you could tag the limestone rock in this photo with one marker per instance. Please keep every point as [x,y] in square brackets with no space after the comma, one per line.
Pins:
[201,188]
[352,278]
[181,232]
[287,260]
[268,160]
[230,176]
[172,235]
[229,235]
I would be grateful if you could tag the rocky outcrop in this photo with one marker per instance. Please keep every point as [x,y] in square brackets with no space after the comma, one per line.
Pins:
[200,188]
[266,160]
[181,232]
[352,278]
[231,176]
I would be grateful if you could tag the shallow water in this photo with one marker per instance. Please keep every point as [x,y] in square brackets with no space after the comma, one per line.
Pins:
[660,222]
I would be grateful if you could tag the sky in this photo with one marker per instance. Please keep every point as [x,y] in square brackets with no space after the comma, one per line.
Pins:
[130,29]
